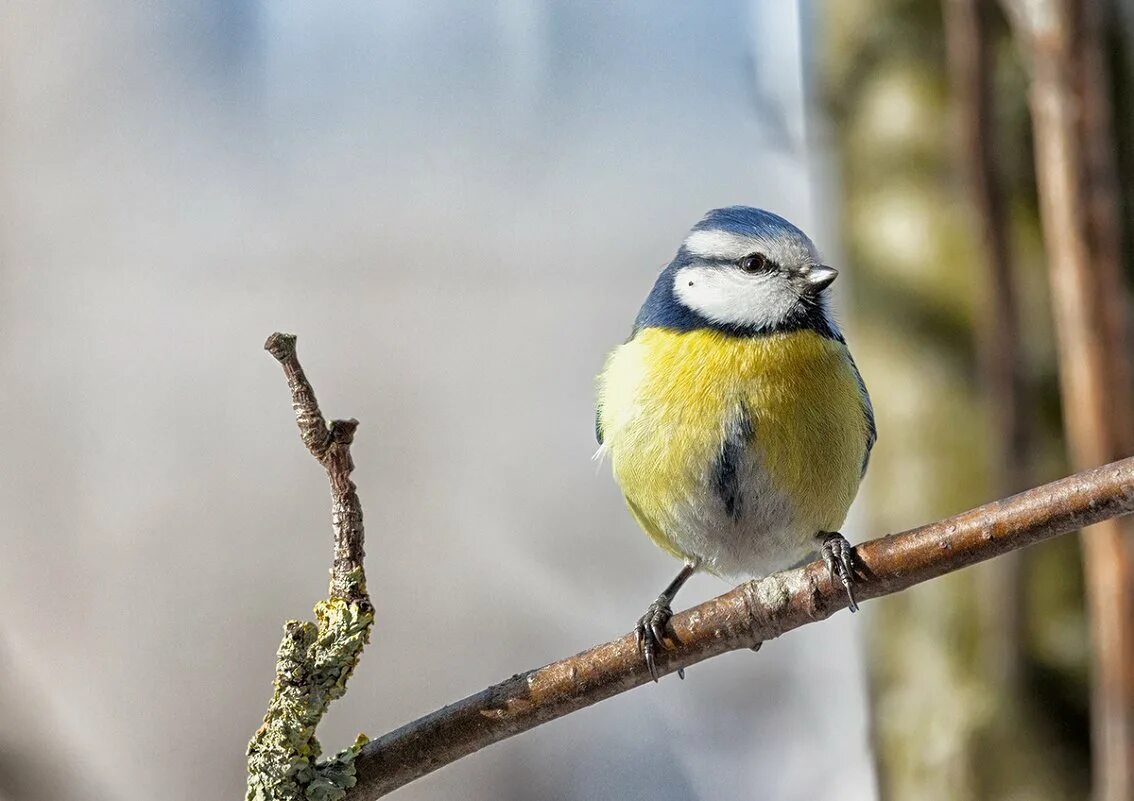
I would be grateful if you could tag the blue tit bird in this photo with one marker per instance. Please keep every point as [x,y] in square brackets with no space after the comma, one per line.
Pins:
[737,424]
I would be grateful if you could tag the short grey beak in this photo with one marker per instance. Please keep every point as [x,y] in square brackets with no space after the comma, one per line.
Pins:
[819,277]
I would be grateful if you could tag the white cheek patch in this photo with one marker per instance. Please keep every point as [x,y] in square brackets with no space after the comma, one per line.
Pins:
[733,297]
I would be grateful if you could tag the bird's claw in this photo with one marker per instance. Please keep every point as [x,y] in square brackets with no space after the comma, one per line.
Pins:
[838,555]
[651,636]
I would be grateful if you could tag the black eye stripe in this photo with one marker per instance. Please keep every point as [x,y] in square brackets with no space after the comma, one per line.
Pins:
[756,263]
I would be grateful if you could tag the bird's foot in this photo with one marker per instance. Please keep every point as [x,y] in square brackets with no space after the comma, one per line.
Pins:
[650,633]
[838,555]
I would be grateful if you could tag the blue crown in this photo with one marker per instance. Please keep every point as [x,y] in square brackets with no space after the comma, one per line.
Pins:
[747,221]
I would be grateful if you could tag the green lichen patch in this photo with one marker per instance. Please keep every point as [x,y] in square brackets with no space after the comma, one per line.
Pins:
[330,780]
[313,664]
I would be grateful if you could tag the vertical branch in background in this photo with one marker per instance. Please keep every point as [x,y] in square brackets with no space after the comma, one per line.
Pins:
[1078,206]
[1104,208]
[969,51]
[315,660]
[911,243]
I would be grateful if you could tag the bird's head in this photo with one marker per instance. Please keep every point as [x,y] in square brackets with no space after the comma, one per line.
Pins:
[748,269]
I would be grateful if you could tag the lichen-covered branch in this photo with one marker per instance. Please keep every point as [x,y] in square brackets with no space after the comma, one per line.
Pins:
[751,613]
[315,660]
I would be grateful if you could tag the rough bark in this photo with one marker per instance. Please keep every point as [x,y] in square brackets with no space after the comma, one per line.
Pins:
[750,614]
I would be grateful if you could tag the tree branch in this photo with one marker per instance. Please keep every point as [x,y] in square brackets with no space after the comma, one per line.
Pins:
[1079,207]
[752,613]
[315,660]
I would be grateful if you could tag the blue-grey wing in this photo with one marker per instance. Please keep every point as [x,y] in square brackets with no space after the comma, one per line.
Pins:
[868,412]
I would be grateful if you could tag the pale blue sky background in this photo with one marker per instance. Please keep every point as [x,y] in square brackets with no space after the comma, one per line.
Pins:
[459,207]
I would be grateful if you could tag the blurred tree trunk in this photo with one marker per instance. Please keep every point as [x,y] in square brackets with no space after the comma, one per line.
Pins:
[969,39]
[938,316]
[1080,204]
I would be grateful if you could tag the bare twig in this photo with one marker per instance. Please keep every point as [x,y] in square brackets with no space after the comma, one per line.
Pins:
[315,660]
[1079,206]
[751,613]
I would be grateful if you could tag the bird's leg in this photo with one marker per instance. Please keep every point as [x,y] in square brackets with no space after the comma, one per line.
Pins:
[650,630]
[839,558]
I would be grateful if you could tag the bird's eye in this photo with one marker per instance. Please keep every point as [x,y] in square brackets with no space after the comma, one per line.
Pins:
[754,263]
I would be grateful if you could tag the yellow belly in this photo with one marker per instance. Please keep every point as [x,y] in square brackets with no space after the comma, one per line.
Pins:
[667,402]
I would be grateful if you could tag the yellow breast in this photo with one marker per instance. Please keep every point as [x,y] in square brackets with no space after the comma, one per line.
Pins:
[667,400]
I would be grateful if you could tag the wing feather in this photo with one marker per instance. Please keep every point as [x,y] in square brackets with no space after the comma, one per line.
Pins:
[868,412]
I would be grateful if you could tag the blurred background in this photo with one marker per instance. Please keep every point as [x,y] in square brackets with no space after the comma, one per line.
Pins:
[459,206]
